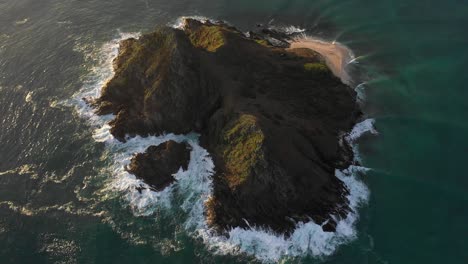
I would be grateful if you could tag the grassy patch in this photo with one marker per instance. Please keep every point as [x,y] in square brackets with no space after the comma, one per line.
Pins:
[149,55]
[262,42]
[316,67]
[242,151]
[209,38]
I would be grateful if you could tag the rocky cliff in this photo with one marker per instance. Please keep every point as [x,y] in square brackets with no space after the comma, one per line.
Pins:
[271,118]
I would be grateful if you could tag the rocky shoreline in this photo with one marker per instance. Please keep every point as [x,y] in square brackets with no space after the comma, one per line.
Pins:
[271,116]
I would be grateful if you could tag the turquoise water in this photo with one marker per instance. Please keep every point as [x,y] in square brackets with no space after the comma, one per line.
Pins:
[54,207]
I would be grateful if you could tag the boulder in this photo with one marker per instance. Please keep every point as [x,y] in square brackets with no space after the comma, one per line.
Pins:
[157,164]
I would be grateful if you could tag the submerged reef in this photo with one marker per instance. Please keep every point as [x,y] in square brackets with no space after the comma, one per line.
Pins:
[271,117]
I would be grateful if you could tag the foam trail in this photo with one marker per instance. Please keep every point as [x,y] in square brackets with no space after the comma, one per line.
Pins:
[366,126]
[195,184]
[358,59]
[360,90]
[289,30]
[355,60]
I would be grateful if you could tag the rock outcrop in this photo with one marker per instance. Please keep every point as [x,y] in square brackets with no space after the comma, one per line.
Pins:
[158,163]
[271,118]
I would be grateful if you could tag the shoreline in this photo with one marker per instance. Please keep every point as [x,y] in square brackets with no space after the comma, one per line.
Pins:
[337,56]
[307,238]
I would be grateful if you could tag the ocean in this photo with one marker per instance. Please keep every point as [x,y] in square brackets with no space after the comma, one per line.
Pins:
[65,198]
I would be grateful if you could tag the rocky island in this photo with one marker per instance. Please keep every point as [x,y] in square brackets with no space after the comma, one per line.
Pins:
[271,115]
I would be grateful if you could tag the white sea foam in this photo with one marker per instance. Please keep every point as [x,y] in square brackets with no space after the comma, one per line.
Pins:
[366,126]
[195,184]
[289,30]
[100,74]
[22,22]
[29,97]
[360,90]
[357,60]
[307,239]
[194,181]
[180,22]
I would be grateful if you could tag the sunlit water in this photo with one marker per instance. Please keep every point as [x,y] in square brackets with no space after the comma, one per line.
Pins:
[64,197]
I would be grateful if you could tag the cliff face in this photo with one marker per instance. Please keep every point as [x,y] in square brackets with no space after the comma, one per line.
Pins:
[271,118]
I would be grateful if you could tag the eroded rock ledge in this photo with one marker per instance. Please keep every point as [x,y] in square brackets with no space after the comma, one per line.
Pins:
[270,117]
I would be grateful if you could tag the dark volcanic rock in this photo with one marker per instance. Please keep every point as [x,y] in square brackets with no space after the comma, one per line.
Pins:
[271,37]
[158,163]
[271,118]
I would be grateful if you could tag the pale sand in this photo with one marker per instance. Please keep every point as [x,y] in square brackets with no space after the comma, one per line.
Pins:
[336,55]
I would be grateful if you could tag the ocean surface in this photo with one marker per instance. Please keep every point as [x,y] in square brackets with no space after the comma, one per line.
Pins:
[65,198]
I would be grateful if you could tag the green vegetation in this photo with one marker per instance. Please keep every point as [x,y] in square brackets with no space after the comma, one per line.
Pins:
[316,67]
[147,52]
[150,54]
[210,38]
[243,142]
[262,42]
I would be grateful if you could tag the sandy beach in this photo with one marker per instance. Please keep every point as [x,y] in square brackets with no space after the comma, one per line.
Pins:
[336,55]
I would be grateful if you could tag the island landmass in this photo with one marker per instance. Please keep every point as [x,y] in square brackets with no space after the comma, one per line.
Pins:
[272,112]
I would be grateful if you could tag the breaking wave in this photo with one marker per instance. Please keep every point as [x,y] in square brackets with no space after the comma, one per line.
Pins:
[180,22]
[289,30]
[195,184]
